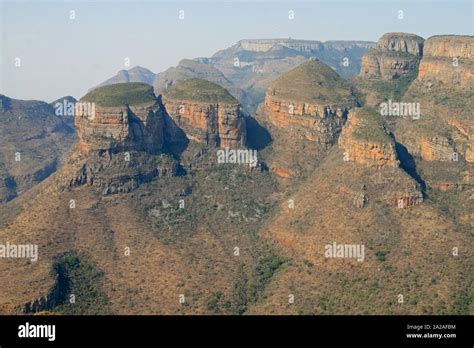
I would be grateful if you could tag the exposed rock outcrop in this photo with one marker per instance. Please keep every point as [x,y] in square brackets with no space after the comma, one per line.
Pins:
[206,112]
[366,141]
[121,135]
[396,55]
[436,149]
[310,101]
[304,111]
[448,59]
[443,89]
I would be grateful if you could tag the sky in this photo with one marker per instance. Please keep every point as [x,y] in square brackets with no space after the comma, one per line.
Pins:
[47,52]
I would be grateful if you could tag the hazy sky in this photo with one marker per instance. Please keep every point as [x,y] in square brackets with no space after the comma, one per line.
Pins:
[62,56]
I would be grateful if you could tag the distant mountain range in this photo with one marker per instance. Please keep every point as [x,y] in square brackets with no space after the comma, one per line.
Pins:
[347,209]
[251,65]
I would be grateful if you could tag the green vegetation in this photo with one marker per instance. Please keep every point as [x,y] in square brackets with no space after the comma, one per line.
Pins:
[381,255]
[266,268]
[313,82]
[372,129]
[121,94]
[395,89]
[77,276]
[200,91]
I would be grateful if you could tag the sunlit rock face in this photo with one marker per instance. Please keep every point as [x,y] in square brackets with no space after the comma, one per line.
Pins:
[206,112]
[396,55]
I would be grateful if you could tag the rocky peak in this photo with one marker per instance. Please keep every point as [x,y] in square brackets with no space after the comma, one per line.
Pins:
[401,42]
[120,116]
[396,55]
[312,100]
[448,59]
[366,141]
[120,128]
[206,112]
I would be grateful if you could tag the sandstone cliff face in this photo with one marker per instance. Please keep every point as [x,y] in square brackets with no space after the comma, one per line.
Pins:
[112,172]
[125,127]
[310,101]
[448,60]
[211,122]
[443,88]
[319,123]
[121,144]
[376,151]
[304,111]
[436,149]
[401,42]
[396,55]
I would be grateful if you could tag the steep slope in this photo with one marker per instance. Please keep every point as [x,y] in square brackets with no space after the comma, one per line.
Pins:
[360,239]
[122,139]
[304,111]
[388,70]
[441,141]
[65,107]
[253,64]
[32,141]
[192,69]
[206,112]
[117,232]
[407,251]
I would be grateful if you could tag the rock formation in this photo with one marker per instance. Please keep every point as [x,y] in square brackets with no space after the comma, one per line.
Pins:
[206,112]
[448,59]
[304,110]
[444,89]
[366,141]
[396,55]
[311,101]
[121,131]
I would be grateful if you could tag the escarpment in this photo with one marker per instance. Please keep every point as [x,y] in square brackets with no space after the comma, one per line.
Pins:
[121,132]
[448,59]
[206,112]
[305,110]
[396,55]
[366,141]
[443,89]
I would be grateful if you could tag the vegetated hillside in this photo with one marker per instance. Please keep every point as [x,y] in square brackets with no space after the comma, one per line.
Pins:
[32,141]
[173,250]
[139,232]
[304,111]
[201,91]
[441,140]
[121,94]
[408,251]
[175,232]
[312,82]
